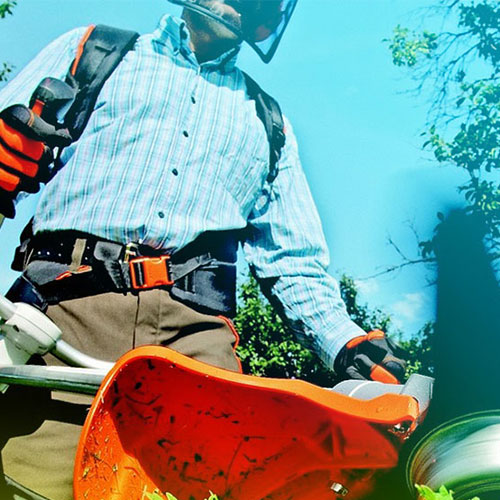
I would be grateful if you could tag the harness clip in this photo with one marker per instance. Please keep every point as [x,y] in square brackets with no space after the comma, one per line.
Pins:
[131,250]
[150,272]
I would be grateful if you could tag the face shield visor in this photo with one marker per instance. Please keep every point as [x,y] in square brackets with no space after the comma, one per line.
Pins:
[262,22]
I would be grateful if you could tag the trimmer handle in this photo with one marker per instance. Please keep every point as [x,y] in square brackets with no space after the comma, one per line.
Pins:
[49,103]
[24,331]
[52,99]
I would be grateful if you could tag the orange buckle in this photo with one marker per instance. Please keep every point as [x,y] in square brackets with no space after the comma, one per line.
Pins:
[150,272]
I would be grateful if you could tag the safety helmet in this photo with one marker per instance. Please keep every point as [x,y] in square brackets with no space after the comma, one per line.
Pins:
[263,22]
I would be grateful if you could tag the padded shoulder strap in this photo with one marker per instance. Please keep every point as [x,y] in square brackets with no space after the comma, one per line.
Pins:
[99,53]
[269,112]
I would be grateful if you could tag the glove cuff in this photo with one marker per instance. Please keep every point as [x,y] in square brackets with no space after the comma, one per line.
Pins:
[348,351]
[374,334]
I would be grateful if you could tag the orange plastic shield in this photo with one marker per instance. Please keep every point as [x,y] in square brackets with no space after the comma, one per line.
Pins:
[162,421]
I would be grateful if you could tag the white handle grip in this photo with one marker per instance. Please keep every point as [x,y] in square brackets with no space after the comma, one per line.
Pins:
[7,308]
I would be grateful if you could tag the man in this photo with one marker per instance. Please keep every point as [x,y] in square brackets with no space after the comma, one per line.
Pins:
[174,161]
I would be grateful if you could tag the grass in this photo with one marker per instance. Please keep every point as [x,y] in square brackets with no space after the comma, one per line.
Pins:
[156,495]
[424,491]
[443,494]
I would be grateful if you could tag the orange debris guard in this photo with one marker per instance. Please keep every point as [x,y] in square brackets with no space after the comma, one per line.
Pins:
[164,422]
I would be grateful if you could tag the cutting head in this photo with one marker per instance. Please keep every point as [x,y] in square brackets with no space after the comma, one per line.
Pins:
[463,455]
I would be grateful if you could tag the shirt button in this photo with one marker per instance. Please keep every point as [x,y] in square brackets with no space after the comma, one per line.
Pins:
[185,133]
[175,171]
[193,100]
[161,215]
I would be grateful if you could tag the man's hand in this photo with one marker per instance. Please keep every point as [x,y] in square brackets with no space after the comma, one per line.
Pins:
[371,357]
[26,143]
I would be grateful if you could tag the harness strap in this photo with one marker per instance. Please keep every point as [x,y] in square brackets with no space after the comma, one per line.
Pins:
[269,112]
[202,275]
[101,50]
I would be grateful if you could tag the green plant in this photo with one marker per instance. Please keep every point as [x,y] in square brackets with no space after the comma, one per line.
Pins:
[457,68]
[418,351]
[158,496]
[267,347]
[443,494]
[407,47]
[5,10]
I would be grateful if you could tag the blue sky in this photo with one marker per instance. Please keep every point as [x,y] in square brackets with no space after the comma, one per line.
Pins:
[358,131]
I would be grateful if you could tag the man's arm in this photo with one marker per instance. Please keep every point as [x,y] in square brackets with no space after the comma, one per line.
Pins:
[25,152]
[287,252]
[54,60]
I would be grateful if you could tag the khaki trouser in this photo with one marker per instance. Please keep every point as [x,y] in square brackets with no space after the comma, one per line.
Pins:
[41,429]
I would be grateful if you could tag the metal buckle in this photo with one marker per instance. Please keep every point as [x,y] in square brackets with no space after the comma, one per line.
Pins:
[131,250]
[150,272]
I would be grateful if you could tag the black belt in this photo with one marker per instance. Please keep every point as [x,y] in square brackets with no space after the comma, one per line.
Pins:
[203,274]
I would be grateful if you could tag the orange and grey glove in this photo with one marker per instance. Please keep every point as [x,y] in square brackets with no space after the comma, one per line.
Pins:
[26,143]
[371,357]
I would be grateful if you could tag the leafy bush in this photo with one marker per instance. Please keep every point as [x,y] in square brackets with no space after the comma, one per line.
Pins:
[418,351]
[267,347]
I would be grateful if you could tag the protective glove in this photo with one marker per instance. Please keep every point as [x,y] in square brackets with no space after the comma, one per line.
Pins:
[26,143]
[371,357]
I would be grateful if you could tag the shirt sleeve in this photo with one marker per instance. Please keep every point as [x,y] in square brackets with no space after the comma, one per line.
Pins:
[54,60]
[286,250]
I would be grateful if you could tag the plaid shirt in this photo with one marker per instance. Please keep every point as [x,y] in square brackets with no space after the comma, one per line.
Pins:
[174,149]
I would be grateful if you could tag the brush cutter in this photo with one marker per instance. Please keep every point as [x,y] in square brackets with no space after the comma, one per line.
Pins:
[164,422]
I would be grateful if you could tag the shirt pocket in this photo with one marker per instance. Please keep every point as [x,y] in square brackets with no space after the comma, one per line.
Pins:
[247,156]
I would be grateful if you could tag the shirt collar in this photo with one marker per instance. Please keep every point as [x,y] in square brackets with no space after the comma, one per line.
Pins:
[174,35]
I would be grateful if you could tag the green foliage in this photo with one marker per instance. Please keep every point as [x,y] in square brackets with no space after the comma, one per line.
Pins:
[267,347]
[407,46]
[6,9]
[418,351]
[5,70]
[158,496]
[475,148]
[460,67]
[480,19]
[443,494]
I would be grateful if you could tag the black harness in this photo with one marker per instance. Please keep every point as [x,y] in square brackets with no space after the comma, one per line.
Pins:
[69,265]
[66,264]
[101,51]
